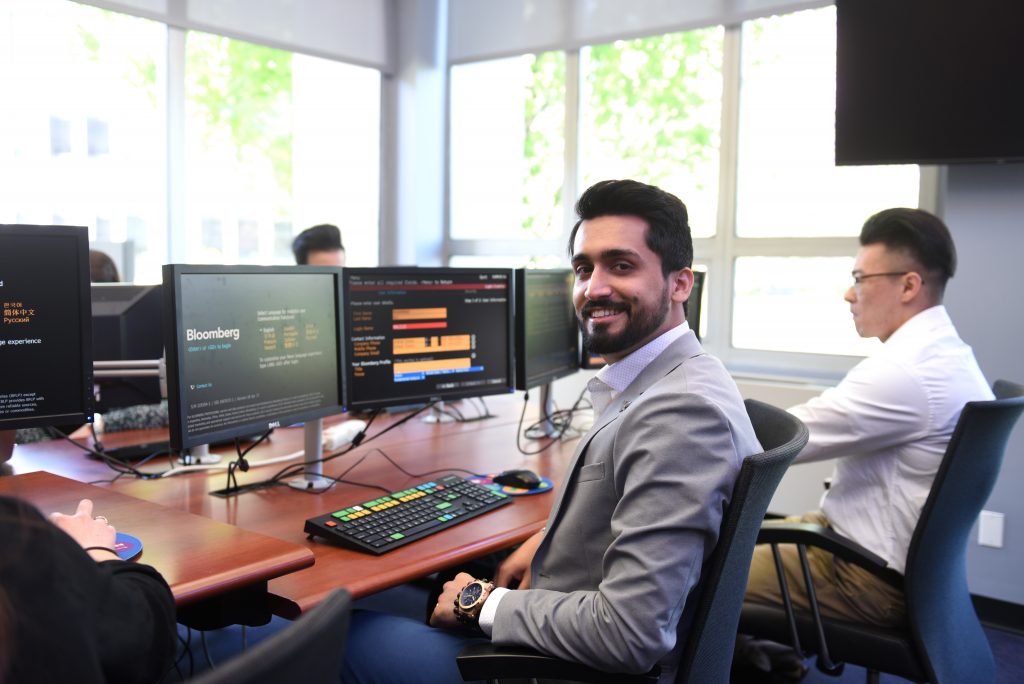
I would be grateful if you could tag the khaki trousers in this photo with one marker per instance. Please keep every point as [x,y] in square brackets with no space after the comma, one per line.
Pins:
[843,590]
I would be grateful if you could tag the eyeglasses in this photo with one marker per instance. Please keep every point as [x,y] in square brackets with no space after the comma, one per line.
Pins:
[858,278]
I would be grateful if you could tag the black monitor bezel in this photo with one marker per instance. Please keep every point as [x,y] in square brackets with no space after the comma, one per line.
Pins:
[175,353]
[523,382]
[128,391]
[81,236]
[424,397]
[696,293]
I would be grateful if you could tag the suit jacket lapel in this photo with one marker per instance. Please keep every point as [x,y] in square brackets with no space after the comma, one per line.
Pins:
[676,353]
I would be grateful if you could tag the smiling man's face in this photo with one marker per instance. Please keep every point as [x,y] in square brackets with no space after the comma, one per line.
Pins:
[622,299]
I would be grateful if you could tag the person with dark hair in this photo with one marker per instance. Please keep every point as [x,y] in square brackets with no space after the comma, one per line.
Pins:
[887,423]
[102,268]
[606,582]
[319,246]
[70,609]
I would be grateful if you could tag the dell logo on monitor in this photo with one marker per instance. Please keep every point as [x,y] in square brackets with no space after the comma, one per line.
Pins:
[273,424]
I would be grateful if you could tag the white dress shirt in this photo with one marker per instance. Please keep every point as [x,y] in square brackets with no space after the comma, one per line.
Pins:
[889,422]
[609,383]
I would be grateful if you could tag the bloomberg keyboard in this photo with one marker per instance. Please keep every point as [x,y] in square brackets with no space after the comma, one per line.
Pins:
[396,519]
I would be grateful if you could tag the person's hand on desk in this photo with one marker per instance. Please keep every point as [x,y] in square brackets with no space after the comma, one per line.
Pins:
[515,570]
[94,534]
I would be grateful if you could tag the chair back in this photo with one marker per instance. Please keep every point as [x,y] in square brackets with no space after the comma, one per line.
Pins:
[707,656]
[943,622]
[310,650]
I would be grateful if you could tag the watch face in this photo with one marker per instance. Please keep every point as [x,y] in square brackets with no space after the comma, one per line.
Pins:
[470,594]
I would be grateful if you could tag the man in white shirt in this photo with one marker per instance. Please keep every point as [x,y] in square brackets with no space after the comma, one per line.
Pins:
[888,422]
[639,509]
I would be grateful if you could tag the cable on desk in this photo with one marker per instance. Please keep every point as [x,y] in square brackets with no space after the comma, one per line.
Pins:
[454,412]
[341,478]
[240,463]
[120,467]
[299,468]
[560,419]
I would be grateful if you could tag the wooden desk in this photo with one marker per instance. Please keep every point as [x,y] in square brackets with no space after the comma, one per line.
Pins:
[200,558]
[280,512]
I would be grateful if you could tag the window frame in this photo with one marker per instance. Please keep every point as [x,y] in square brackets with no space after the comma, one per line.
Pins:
[719,252]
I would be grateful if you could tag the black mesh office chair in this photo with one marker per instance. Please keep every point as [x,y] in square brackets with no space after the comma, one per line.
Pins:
[707,655]
[943,640]
[310,650]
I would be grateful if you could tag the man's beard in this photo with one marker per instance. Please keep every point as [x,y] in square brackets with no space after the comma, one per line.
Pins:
[641,324]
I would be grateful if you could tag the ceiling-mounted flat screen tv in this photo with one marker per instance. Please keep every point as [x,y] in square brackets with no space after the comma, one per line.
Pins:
[929,81]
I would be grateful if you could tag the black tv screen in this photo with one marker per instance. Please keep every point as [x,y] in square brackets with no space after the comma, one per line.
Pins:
[45,331]
[249,348]
[929,81]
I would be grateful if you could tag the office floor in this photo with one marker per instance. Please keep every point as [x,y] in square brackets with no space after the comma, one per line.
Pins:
[410,600]
[1007,647]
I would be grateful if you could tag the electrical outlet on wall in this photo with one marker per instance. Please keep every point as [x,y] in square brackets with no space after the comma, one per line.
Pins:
[990,529]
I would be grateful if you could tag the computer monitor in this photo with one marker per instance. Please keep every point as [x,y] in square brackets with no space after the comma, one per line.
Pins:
[414,335]
[45,330]
[692,306]
[249,348]
[547,339]
[546,334]
[127,325]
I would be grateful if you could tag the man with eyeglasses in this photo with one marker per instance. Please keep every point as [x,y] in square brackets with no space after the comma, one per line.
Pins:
[887,423]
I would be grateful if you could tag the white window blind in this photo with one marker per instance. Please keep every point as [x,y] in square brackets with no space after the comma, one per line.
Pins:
[488,29]
[353,31]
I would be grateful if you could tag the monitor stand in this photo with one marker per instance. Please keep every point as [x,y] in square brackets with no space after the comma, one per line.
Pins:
[313,466]
[547,410]
[437,414]
[198,455]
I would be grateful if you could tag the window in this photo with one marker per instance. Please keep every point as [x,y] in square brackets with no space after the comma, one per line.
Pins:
[262,142]
[790,195]
[738,122]
[83,140]
[651,110]
[277,138]
[60,136]
[97,132]
[507,150]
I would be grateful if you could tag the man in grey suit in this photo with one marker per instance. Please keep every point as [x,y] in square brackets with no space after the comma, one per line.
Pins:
[606,582]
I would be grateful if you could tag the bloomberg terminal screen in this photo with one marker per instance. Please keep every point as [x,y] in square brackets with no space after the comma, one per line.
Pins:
[255,351]
[418,334]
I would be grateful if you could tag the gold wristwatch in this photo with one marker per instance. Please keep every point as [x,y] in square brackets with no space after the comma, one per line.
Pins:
[470,601]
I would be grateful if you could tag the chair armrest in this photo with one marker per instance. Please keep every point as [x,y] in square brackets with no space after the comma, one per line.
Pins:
[810,534]
[487,661]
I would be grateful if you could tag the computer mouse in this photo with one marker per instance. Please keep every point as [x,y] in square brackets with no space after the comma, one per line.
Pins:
[522,479]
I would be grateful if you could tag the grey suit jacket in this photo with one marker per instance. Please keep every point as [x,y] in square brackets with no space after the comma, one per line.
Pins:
[638,514]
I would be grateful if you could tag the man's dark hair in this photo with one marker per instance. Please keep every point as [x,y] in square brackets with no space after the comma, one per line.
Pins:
[668,233]
[924,237]
[102,268]
[322,238]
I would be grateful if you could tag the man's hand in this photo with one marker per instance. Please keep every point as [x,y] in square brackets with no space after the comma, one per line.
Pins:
[444,612]
[516,568]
